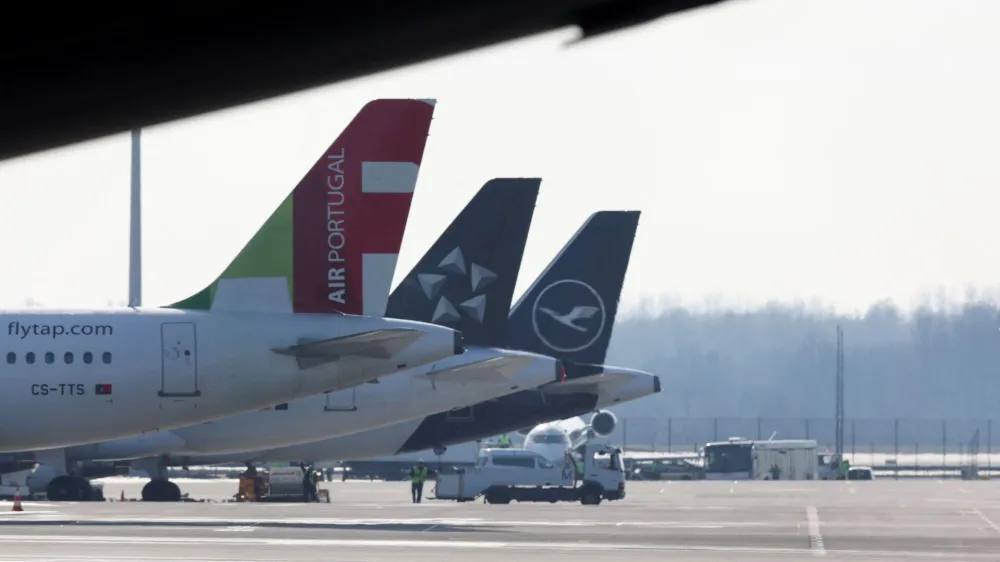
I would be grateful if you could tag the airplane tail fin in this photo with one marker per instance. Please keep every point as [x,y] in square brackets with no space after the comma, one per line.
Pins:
[466,280]
[569,311]
[332,244]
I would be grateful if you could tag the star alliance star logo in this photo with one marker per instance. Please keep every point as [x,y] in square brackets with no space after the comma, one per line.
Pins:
[454,265]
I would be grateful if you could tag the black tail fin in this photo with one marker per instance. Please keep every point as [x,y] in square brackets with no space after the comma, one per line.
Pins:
[466,280]
[570,309]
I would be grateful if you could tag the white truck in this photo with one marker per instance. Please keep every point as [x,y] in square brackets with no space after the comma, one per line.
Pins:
[744,459]
[503,475]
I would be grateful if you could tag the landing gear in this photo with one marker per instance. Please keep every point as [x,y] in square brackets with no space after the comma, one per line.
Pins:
[70,489]
[161,490]
[60,479]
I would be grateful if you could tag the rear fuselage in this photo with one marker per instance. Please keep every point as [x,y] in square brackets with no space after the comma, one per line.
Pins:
[502,415]
[393,399]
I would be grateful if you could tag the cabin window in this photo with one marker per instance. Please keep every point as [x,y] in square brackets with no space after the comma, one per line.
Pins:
[29,357]
[68,357]
[106,357]
[50,357]
[88,357]
[11,357]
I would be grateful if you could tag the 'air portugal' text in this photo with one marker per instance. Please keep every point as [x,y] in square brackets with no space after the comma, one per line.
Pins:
[335,236]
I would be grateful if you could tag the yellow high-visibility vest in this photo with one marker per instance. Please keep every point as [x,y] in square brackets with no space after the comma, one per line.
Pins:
[419,475]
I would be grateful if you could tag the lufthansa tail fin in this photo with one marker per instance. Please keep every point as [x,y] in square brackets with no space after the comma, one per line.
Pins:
[466,280]
[332,244]
[569,311]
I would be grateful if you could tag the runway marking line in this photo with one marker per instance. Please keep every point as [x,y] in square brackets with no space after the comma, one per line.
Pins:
[104,541]
[815,537]
[987,520]
[231,522]
[235,529]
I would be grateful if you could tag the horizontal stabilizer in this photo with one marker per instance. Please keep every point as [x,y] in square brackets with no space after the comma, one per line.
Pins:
[494,369]
[377,344]
[604,382]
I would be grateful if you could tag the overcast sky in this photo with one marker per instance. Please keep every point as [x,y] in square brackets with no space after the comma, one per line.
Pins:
[833,150]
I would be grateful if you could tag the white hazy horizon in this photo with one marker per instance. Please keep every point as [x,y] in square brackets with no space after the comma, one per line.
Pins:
[834,153]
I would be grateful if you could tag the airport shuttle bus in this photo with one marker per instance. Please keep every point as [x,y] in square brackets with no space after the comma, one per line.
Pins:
[744,459]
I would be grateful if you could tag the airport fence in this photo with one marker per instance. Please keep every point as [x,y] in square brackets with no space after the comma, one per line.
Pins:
[908,443]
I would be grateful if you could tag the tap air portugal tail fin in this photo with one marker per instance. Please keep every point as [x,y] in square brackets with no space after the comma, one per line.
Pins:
[569,311]
[332,244]
[466,280]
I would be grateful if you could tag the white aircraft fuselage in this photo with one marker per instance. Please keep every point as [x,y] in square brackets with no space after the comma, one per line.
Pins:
[481,373]
[388,440]
[72,378]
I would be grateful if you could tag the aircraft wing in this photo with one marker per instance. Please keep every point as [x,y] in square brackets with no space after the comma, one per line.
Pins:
[377,344]
[603,382]
[494,369]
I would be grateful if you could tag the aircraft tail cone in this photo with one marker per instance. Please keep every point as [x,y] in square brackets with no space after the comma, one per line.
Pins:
[17,499]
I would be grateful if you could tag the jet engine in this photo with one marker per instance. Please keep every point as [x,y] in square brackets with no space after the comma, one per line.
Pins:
[603,423]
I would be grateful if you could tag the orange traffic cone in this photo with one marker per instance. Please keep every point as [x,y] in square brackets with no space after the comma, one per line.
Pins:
[17,499]
[123,496]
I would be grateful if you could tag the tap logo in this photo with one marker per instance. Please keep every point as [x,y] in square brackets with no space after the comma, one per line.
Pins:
[569,318]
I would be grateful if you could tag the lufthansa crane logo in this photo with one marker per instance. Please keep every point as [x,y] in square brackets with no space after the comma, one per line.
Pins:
[568,316]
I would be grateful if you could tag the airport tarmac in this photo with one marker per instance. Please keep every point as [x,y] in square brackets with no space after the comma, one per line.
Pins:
[375,521]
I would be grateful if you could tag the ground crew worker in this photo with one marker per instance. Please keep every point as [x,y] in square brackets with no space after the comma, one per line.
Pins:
[309,484]
[504,441]
[317,478]
[842,468]
[775,471]
[418,475]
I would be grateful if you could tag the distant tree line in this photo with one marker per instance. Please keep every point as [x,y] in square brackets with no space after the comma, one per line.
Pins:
[780,361]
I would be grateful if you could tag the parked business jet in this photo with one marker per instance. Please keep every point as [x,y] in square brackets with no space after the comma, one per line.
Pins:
[271,328]
[553,440]
[588,271]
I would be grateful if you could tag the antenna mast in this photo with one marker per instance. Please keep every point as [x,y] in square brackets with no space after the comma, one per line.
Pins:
[135,226]
[839,444]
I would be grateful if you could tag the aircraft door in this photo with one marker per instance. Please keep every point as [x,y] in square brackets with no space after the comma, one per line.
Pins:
[342,401]
[180,359]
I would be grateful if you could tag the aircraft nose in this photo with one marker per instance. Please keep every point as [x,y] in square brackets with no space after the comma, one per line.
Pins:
[656,383]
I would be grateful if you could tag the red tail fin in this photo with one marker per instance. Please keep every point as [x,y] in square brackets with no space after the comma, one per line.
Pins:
[350,210]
